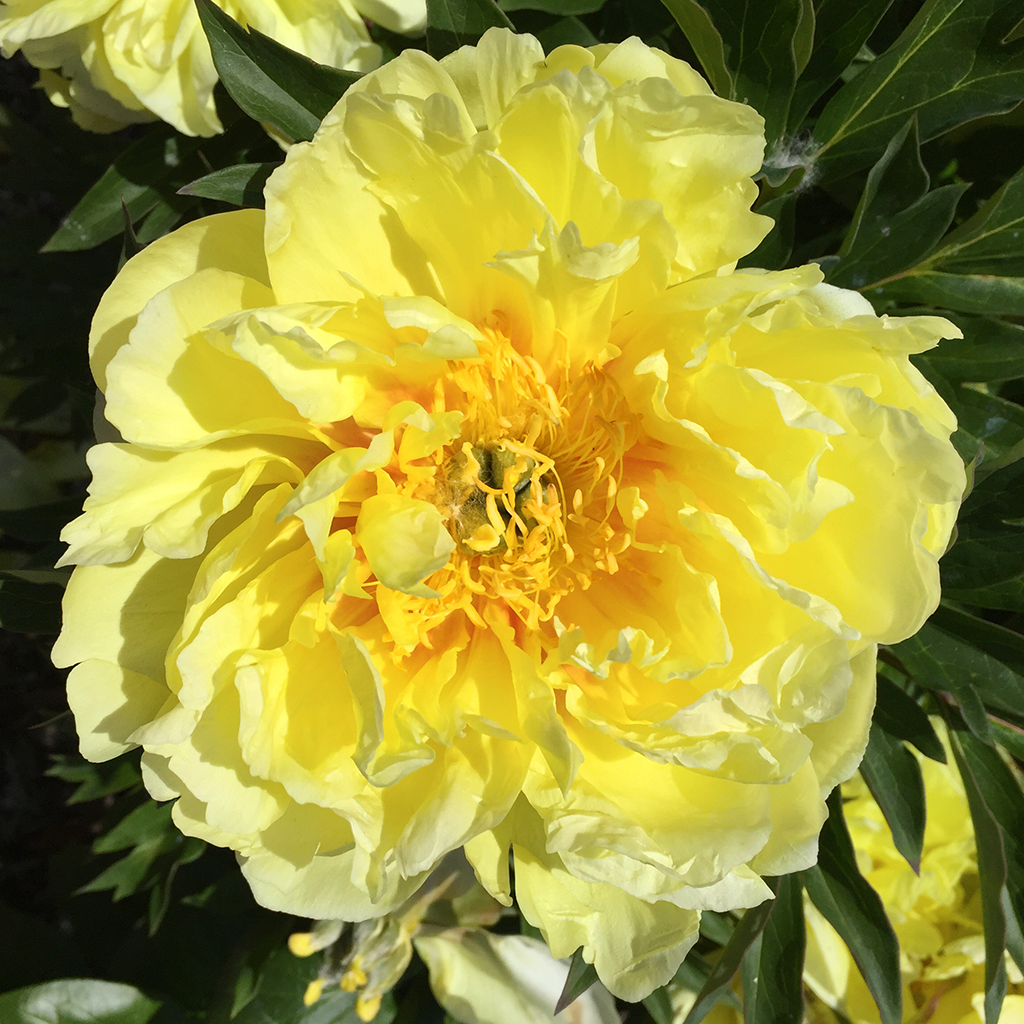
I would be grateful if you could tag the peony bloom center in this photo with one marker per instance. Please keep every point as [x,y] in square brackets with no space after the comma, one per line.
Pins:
[528,492]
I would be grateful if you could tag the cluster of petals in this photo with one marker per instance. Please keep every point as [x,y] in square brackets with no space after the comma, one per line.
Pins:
[119,62]
[468,496]
[936,914]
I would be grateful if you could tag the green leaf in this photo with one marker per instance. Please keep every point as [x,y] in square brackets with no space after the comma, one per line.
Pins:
[898,222]
[986,565]
[94,780]
[659,1006]
[156,850]
[895,780]
[268,81]
[949,65]
[998,641]
[701,33]
[972,756]
[991,350]
[1003,800]
[455,23]
[560,7]
[134,179]
[853,908]
[580,977]
[716,988]
[901,716]
[968,293]
[130,244]
[991,241]
[566,32]
[76,1001]
[1011,738]
[278,991]
[777,246]
[29,607]
[997,423]
[773,988]
[39,523]
[841,28]
[760,48]
[939,661]
[241,185]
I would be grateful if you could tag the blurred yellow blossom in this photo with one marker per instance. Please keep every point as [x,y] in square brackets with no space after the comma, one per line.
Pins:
[936,915]
[469,497]
[117,62]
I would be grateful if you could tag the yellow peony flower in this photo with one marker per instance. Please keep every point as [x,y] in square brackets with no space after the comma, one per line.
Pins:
[469,498]
[118,62]
[936,915]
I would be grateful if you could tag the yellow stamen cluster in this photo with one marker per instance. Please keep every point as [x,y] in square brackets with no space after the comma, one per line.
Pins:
[530,500]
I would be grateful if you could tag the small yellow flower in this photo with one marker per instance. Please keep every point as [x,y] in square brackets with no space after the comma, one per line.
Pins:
[117,62]
[468,497]
[370,957]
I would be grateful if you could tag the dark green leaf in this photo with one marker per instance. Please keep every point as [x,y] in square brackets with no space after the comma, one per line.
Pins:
[773,989]
[94,780]
[990,350]
[130,244]
[986,566]
[455,23]
[895,780]
[40,522]
[702,34]
[991,241]
[560,7]
[1005,802]
[1001,643]
[900,715]
[566,32]
[939,661]
[268,81]
[659,1006]
[1011,738]
[898,222]
[717,927]
[972,757]
[134,178]
[580,977]
[763,48]
[76,1001]
[27,607]
[968,293]
[949,65]
[277,998]
[854,909]
[165,215]
[156,849]
[776,247]
[241,185]
[841,28]
[728,964]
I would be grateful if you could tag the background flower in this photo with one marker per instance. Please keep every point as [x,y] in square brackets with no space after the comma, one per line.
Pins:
[116,62]
[936,914]
[468,498]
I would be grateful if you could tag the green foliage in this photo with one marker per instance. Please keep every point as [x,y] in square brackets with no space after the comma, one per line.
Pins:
[895,780]
[580,977]
[74,1001]
[892,160]
[267,80]
[454,23]
[241,185]
[837,888]
[772,970]
[743,939]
